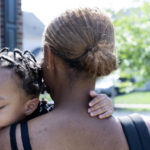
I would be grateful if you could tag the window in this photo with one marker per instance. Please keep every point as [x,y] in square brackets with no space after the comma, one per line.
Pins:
[10,13]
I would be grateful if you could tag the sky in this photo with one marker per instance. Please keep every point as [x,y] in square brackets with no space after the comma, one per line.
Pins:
[46,10]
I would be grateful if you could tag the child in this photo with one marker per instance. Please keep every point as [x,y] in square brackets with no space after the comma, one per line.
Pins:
[21,83]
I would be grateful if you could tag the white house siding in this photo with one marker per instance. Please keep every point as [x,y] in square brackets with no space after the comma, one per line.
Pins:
[30,43]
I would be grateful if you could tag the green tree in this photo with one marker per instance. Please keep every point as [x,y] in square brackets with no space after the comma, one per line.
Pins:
[132,31]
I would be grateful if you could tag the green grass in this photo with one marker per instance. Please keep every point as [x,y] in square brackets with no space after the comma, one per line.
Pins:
[45,96]
[133,98]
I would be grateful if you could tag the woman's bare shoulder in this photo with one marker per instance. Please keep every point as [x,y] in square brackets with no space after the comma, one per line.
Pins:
[45,131]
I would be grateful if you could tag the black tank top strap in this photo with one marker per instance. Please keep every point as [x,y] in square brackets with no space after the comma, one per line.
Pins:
[25,136]
[142,131]
[130,133]
[136,132]
[12,134]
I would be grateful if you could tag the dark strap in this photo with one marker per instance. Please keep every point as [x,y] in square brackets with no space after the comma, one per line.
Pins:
[12,134]
[130,133]
[25,136]
[136,132]
[142,131]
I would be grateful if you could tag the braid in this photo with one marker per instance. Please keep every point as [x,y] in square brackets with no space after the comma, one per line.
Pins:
[26,67]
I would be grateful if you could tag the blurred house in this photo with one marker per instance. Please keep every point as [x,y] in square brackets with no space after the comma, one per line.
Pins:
[32,32]
[19,29]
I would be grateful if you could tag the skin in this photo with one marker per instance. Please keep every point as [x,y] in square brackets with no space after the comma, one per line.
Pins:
[101,105]
[15,105]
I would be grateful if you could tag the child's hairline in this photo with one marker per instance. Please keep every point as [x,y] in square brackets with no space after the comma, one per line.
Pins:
[19,84]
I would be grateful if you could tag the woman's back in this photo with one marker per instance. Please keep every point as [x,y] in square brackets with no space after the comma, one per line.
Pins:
[58,131]
[63,130]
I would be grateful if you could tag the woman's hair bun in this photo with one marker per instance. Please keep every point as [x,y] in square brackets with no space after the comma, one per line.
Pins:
[99,60]
[84,38]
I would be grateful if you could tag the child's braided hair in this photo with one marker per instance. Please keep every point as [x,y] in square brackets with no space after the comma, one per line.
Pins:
[26,67]
[24,64]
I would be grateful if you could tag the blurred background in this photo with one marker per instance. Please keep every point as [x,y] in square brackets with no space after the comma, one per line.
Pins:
[22,23]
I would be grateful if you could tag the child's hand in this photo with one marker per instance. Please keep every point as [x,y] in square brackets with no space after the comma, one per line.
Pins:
[100,105]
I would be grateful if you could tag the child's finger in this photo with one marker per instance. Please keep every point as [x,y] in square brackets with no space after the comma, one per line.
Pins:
[99,105]
[93,93]
[106,114]
[97,99]
[100,111]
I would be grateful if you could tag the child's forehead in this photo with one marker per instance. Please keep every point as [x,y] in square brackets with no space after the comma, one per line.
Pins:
[9,83]
[7,76]
[5,73]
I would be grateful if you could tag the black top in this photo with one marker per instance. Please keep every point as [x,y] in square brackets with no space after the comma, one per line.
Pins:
[24,136]
[13,141]
[136,132]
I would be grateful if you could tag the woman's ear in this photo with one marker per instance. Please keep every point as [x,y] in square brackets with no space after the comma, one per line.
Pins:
[30,106]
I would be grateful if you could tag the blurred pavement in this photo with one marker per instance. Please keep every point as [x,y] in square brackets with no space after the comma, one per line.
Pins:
[120,113]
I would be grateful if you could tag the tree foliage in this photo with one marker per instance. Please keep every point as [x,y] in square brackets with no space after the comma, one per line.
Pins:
[132,31]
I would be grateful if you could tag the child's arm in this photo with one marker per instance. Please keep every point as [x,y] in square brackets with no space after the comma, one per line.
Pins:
[100,105]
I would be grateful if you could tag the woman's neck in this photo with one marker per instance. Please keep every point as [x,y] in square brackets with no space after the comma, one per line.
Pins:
[73,95]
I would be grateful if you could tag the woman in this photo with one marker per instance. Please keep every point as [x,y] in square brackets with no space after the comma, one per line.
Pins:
[78,47]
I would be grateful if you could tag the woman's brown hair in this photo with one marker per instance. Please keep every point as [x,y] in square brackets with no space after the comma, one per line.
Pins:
[84,38]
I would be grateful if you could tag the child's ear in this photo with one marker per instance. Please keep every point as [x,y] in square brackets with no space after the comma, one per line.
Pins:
[31,105]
